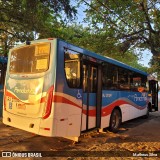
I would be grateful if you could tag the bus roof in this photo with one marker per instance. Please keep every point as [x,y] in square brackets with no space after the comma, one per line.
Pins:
[104,58]
[95,55]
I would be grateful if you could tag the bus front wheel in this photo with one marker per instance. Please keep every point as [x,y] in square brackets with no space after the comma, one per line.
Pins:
[115,121]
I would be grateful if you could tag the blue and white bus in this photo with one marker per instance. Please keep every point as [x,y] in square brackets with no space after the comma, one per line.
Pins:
[54,88]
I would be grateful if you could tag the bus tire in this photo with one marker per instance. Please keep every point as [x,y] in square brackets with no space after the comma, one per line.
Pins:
[115,121]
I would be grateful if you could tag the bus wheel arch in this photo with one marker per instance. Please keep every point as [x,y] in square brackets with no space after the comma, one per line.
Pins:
[115,119]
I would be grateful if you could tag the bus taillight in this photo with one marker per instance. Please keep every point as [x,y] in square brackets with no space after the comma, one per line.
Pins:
[48,104]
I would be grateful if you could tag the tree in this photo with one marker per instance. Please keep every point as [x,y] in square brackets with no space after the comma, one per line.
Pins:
[134,23]
[22,20]
[155,67]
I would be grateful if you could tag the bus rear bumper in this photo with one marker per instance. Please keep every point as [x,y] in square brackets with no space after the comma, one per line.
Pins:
[28,124]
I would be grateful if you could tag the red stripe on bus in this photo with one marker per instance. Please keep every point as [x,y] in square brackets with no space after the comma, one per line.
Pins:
[60,99]
[11,95]
[108,109]
[91,113]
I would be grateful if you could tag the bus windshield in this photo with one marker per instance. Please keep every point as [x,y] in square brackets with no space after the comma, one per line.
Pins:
[30,59]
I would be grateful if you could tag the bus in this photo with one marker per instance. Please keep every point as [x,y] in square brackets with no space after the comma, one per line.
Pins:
[53,88]
[3,67]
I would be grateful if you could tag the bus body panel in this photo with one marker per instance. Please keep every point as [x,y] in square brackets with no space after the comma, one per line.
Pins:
[21,122]
[67,109]
[132,104]
[33,125]
[68,104]
[23,97]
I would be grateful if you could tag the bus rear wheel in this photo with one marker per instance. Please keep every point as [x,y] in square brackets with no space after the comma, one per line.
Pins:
[115,121]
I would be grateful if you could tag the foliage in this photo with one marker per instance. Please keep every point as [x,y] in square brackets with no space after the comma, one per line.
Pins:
[134,23]
[155,63]
[106,34]
[131,24]
[97,42]
[22,20]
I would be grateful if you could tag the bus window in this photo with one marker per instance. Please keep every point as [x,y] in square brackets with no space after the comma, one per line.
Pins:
[118,78]
[123,79]
[93,79]
[110,76]
[137,81]
[72,68]
[35,59]
[85,79]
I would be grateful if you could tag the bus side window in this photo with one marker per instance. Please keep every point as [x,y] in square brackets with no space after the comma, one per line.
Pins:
[72,68]
[85,80]
[93,78]
[109,79]
[137,81]
[123,79]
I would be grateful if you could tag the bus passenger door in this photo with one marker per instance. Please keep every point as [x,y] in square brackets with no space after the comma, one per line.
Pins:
[90,87]
[153,89]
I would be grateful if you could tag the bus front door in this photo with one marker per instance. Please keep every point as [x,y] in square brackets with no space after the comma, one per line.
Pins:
[90,88]
[153,89]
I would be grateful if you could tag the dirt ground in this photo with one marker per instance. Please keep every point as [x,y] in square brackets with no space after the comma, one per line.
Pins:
[137,139]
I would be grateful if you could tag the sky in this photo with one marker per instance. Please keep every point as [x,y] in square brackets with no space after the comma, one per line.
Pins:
[146,57]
